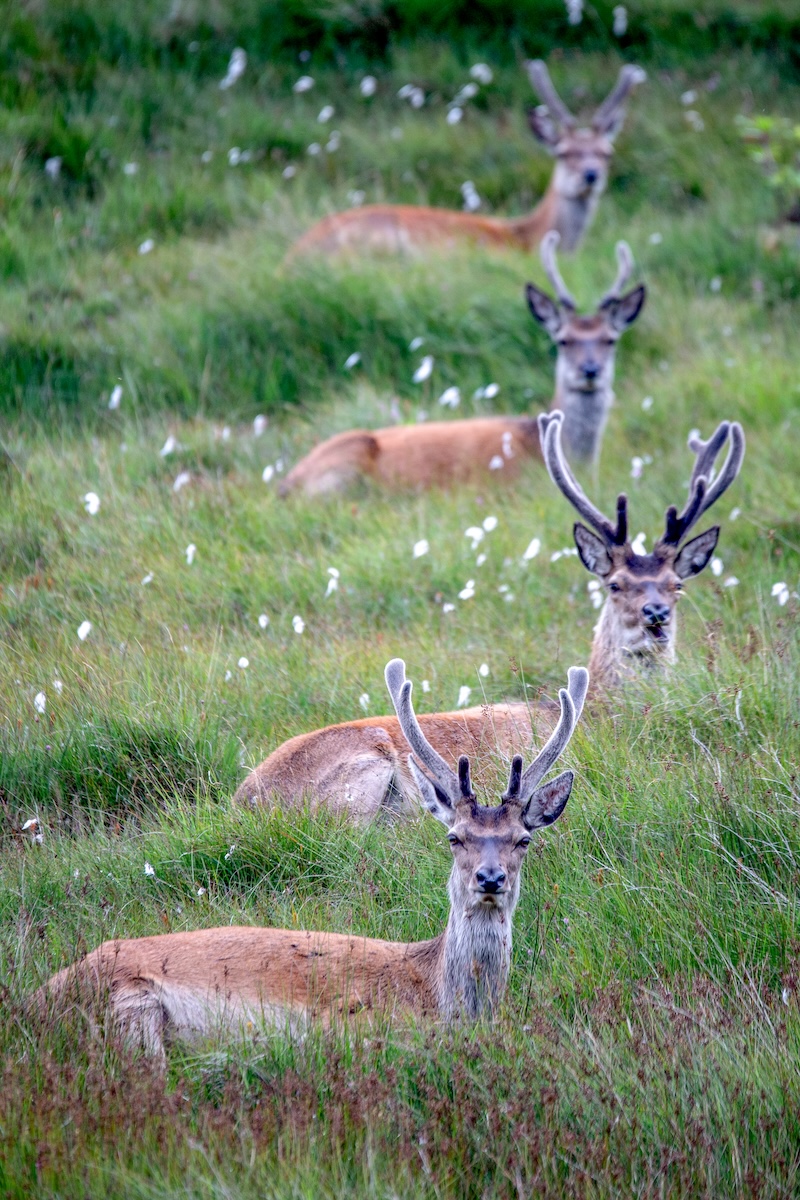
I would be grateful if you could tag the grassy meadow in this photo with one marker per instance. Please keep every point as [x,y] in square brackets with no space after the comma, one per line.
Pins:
[157,351]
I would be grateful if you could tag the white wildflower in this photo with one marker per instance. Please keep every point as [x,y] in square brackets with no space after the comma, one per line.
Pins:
[304,84]
[785,995]
[352,360]
[356,197]
[259,425]
[201,891]
[298,624]
[263,621]
[480,560]
[482,72]
[181,480]
[620,15]
[59,686]
[333,582]
[655,239]
[228,676]
[289,172]
[688,97]
[448,607]
[735,514]
[169,446]
[694,120]
[716,566]
[325,113]
[52,166]
[450,397]
[91,502]
[489,524]
[506,441]
[469,194]
[715,284]
[147,579]
[368,85]
[424,370]
[490,391]
[40,702]
[334,141]
[464,694]
[230,853]
[146,246]
[534,546]
[468,591]
[243,663]
[115,399]
[731,581]
[638,544]
[314,149]
[84,629]
[190,552]
[483,670]
[206,156]
[637,466]
[426,685]
[556,555]
[781,593]
[363,700]
[647,403]
[454,115]
[415,343]
[496,462]
[574,11]
[267,473]
[236,68]
[476,533]
[149,869]
[421,547]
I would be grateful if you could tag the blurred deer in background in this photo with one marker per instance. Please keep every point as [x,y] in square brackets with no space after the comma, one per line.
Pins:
[638,623]
[582,157]
[441,453]
[201,982]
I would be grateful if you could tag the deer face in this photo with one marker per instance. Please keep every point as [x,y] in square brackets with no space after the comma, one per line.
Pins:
[488,846]
[643,589]
[582,160]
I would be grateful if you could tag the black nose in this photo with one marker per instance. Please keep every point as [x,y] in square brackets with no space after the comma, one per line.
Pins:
[656,614]
[590,177]
[591,369]
[491,881]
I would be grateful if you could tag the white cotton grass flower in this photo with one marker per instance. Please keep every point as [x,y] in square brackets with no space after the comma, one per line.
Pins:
[91,502]
[482,72]
[58,686]
[52,166]
[647,403]
[488,392]
[464,694]
[448,607]
[480,560]
[230,852]
[201,891]
[620,16]
[314,149]
[506,441]
[735,514]
[243,663]
[268,473]
[333,582]
[146,246]
[595,592]
[84,629]
[263,621]
[148,578]
[454,115]
[716,565]
[181,480]
[289,172]
[149,869]
[731,581]
[304,84]
[356,197]
[656,239]
[450,397]
[190,552]
[490,524]
[368,86]
[325,113]
[298,624]
[496,462]
[715,284]
[334,141]
[236,68]
[534,546]
[228,676]
[170,445]
[780,591]
[415,343]
[638,544]
[206,156]
[688,97]
[40,702]
[483,670]
[574,11]
[476,534]
[637,466]
[468,591]
[363,700]
[352,360]
[115,399]
[426,685]
[421,547]
[469,195]
[259,425]
[424,370]
[694,120]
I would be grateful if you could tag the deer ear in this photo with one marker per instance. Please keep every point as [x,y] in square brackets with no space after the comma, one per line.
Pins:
[543,310]
[696,553]
[623,312]
[548,801]
[435,801]
[594,553]
[543,127]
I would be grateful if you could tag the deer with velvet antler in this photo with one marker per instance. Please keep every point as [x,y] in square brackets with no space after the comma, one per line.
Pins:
[187,984]
[582,156]
[638,622]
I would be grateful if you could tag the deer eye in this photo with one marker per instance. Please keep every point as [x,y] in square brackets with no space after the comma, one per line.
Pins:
[523,843]
[614,587]
[678,586]
[453,840]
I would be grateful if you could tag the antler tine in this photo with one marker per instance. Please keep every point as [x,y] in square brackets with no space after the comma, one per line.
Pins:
[543,84]
[572,698]
[464,781]
[400,691]
[547,253]
[565,481]
[704,490]
[629,76]
[514,780]
[624,272]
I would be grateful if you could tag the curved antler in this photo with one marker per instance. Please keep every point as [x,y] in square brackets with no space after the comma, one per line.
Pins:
[522,786]
[455,787]
[704,490]
[624,272]
[608,114]
[547,253]
[561,475]
[543,84]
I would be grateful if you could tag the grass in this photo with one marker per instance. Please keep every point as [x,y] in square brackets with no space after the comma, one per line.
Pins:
[649,1043]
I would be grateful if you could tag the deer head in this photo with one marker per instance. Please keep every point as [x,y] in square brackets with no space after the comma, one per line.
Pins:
[489,842]
[582,153]
[587,346]
[643,589]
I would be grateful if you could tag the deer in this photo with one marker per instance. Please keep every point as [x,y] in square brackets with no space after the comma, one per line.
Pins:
[637,628]
[582,156]
[189,984]
[443,453]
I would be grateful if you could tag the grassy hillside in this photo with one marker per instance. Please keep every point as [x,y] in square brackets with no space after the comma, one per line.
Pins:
[649,1044]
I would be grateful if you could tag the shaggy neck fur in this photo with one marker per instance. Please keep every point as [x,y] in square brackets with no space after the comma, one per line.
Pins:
[475,952]
[585,416]
[570,217]
[618,653]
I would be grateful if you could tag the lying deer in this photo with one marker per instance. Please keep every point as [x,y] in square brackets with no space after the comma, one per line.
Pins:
[638,623]
[582,159]
[183,984]
[445,452]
